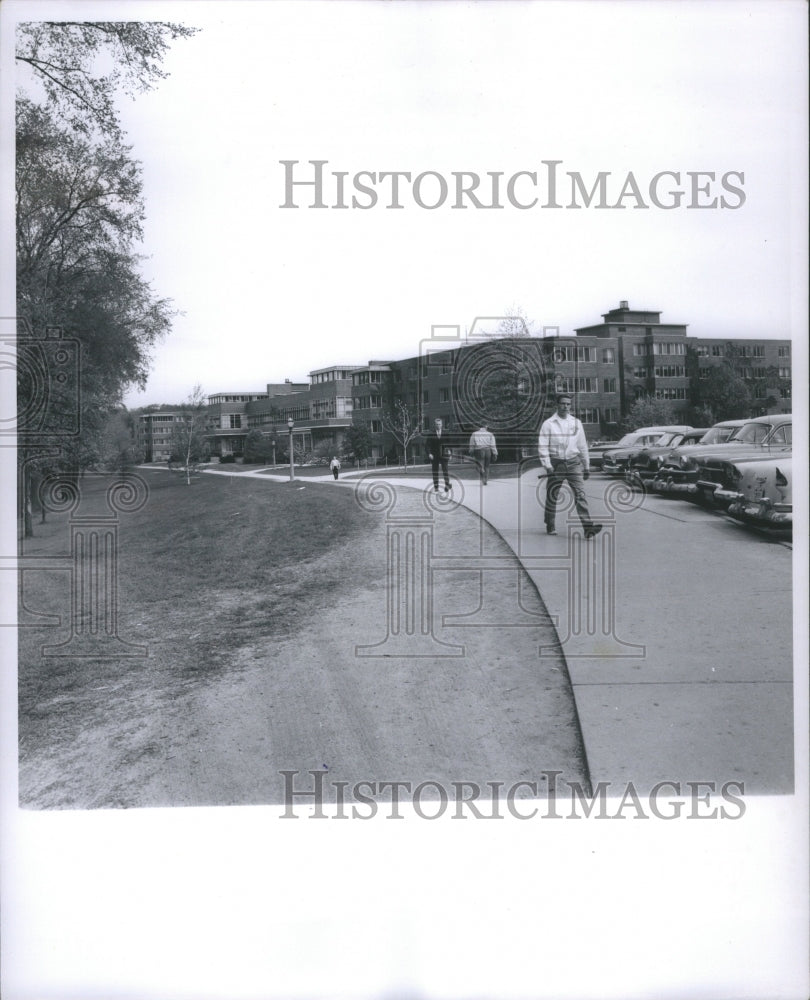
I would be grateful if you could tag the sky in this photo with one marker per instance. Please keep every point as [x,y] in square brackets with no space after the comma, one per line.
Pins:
[265,293]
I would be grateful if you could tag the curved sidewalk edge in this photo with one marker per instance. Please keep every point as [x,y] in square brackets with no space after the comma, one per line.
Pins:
[676,628]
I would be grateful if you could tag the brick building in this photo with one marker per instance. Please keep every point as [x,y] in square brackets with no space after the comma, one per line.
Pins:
[508,381]
[154,432]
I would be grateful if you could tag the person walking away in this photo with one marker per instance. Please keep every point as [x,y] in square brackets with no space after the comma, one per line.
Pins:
[334,465]
[438,447]
[484,450]
[563,452]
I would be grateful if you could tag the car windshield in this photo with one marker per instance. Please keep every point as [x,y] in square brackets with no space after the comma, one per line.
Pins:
[665,439]
[718,435]
[636,438]
[753,433]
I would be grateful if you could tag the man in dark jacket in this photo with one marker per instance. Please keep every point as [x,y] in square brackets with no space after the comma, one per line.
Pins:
[438,447]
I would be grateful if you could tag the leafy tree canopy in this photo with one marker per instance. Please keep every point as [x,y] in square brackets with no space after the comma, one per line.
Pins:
[82,65]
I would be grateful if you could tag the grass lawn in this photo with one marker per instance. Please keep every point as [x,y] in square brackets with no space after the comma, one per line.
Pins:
[203,570]
[255,600]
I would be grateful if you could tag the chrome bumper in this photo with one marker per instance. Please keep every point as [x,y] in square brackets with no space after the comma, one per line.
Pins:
[664,485]
[761,512]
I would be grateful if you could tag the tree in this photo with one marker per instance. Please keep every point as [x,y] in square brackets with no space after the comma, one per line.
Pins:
[723,392]
[79,215]
[357,443]
[403,424]
[189,442]
[64,58]
[647,411]
[259,447]
[514,323]
[116,448]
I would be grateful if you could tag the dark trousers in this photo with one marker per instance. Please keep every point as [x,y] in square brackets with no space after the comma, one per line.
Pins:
[434,466]
[335,473]
[570,470]
[482,457]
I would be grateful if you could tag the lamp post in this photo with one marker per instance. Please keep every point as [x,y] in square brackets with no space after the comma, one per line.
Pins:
[291,424]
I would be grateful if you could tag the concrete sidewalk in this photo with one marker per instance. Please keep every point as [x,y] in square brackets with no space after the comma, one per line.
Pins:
[676,625]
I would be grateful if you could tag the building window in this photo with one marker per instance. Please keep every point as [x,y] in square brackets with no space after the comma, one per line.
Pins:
[622,329]
[784,372]
[669,348]
[639,350]
[609,384]
[783,352]
[670,393]
[760,392]
[641,372]
[235,420]
[590,415]
[586,354]
[425,396]
[704,372]
[758,351]
[669,371]
[444,395]
[702,351]
[608,356]
[376,426]
[611,415]
[717,350]
[368,402]
[563,355]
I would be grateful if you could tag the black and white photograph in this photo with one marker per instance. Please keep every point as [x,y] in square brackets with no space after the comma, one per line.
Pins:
[402,590]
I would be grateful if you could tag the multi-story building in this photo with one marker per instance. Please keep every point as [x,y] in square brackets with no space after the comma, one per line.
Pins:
[510,382]
[154,434]
[227,422]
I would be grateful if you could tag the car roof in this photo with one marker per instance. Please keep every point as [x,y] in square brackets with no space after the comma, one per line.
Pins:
[682,428]
[771,418]
[733,423]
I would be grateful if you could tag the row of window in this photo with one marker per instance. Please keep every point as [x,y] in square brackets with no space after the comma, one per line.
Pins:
[332,376]
[758,372]
[584,384]
[245,398]
[368,378]
[741,351]
[368,402]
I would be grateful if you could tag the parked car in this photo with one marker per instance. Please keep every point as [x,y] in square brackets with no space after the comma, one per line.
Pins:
[761,493]
[697,470]
[642,465]
[725,430]
[617,461]
[638,439]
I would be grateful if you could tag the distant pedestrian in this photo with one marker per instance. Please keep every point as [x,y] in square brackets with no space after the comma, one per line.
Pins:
[483,450]
[334,465]
[563,451]
[438,446]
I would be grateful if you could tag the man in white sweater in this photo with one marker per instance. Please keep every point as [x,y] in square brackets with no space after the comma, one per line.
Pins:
[483,450]
[563,451]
